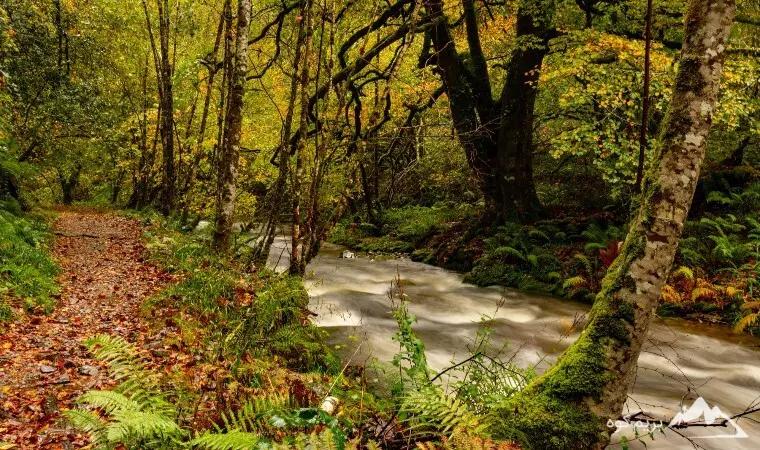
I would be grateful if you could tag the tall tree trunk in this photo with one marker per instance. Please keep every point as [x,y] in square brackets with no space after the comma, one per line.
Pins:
[569,406]
[497,136]
[516,196]
[228,163]
[190,181]
[261,251]
[69,184]
[296,248]
[167,110]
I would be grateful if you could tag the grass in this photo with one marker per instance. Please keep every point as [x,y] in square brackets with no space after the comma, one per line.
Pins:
[27,271]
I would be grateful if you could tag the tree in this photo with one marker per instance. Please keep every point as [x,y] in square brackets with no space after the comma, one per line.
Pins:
[164,76]
[497,135]
[233,124]
[568,406]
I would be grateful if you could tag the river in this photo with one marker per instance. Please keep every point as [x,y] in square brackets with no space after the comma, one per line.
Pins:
[350,297]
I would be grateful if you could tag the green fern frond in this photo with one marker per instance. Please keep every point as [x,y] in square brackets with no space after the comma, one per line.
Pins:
[234,440]
[109,401]
[431,409]
[690,256]
[753,223]
[576,282]
[129,425]
[533,260]
[123,359]
[538,234]
[593,247]
[322,441]
[507,252]
[719,197]
[584,261]
[84,420]
[252,416]
[711,223]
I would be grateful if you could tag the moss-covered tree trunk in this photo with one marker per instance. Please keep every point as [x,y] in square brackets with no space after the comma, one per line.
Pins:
[568,407]
[230,152]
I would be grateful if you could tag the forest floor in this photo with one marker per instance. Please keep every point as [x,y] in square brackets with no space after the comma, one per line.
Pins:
[44,367]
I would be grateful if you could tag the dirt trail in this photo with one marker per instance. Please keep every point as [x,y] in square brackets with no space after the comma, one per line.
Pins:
[43,366]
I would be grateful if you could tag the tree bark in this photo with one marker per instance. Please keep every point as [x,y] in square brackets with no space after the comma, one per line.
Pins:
[167,111]
[69,184]
[213,69]
[517,197]
[261,250]
[297,265]
[569,405]
[228,163]
[497,136]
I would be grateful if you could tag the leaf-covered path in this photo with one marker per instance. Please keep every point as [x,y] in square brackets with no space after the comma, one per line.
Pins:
[43,365]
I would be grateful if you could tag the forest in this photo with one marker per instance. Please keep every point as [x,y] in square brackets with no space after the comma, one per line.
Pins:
[401,224]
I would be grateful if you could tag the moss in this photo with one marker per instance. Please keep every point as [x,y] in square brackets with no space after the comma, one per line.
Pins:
[423,255]
[549,414]
[384,245]
[546,415]
[611,319]
[545,423]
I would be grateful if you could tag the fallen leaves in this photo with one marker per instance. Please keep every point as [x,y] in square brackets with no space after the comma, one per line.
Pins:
[43,367]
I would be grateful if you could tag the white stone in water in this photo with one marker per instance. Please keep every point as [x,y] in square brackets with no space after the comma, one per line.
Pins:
[202,225]
[347,254]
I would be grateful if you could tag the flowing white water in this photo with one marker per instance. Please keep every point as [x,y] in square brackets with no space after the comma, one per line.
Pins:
[351,298]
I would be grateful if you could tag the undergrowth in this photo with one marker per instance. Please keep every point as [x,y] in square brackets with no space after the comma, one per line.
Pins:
[250,372]
[27,271]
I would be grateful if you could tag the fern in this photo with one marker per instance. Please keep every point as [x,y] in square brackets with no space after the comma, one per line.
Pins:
[109,401]
[538,234]
[234,440]
[430,409]
[720,198]
[751,305]
[322,441]
[504,253]
[670,295]
[85,420]
[134,411]
[532,259]
[593,247]
[255,413]
[683,272]
[584,261]
[141,426]
[703,292]
[746,322]
[576,282]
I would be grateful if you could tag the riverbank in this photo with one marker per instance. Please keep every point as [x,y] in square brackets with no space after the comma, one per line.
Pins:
[715,278]
[159,342]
